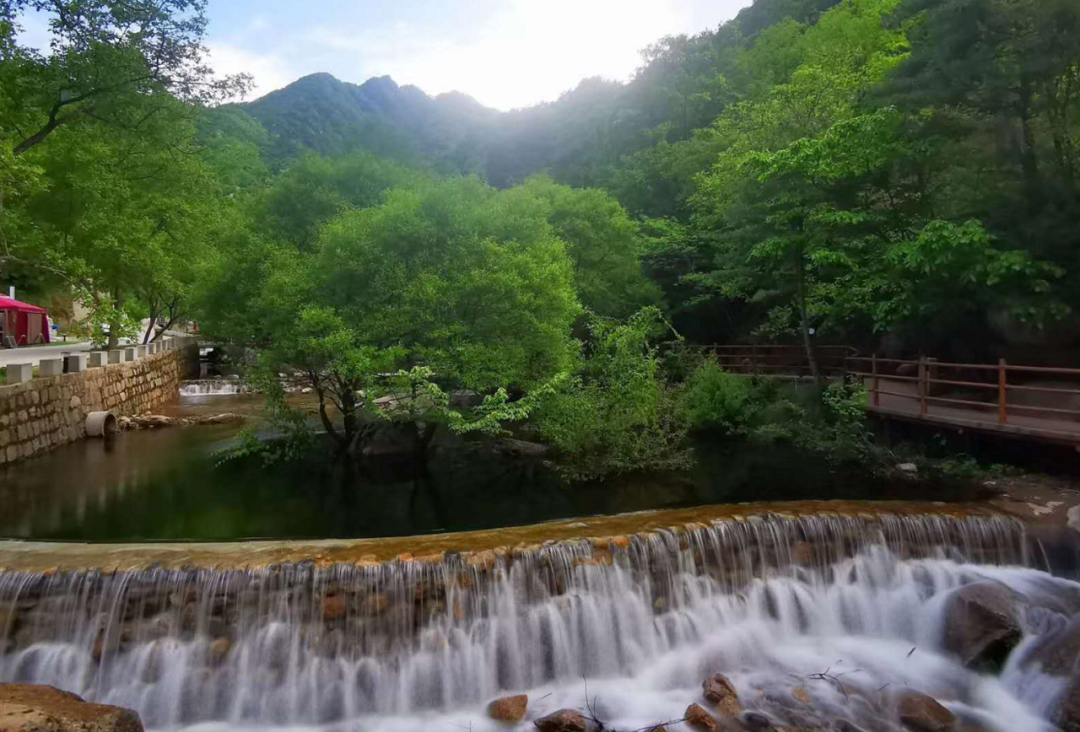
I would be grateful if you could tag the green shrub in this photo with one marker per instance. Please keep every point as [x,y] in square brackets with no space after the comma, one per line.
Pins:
[617,414]
[713,399]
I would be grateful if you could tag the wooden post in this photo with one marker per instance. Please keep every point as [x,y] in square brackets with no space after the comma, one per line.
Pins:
[876,393]
[1003,390]
[923,407]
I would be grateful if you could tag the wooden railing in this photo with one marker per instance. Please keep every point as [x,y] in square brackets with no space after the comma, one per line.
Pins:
[780,360]
[998,382]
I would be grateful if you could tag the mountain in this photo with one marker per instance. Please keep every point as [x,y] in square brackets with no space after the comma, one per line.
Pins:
[578,138]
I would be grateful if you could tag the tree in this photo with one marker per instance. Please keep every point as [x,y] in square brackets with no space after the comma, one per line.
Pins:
[604,244]
[107,57]
[447,285]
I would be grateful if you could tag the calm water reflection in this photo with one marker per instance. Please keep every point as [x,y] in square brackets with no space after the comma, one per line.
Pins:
[167,485]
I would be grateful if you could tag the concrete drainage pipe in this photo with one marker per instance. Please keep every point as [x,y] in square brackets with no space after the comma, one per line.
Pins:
[100,424]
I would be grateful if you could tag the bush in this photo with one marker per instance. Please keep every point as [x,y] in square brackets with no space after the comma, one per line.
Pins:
[617,414]
[713,399]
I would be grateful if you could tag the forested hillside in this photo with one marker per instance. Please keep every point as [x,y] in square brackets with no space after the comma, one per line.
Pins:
[897,173]
[865,168]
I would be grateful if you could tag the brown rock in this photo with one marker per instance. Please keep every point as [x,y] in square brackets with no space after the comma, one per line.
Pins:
[981,625]
[922,713]
[721,692]
[509,709]
[564,720]
[334,607]
[802,554]
[218,650]
[699,719]
[29,708]
[801,694]
[376,605]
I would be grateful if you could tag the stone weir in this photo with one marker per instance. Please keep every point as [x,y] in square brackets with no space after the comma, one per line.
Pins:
[324,631]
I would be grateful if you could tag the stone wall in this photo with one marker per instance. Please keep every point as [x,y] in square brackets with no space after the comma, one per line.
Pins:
[38,415]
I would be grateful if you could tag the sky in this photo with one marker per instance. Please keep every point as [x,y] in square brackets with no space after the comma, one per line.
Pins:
[504,53]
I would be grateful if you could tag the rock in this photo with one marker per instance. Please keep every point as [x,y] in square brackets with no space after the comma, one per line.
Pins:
[909,468]
[1067,714]
[842,725]
[803,554]
[376,605]
[699,719]
[755,722]
[921,713]
[564,720]
[1058,652]
[522,449]
[509,709]
[334,607]
[218,650]
[801,694]
[29,708]
[721,692]
[981,624]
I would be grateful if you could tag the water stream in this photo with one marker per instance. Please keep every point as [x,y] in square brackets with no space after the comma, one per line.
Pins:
[848,607]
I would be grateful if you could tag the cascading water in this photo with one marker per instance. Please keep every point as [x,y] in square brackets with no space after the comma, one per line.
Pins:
[814,619]
[212,387]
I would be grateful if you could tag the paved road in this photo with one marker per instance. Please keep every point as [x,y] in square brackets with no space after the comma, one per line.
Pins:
[33,354]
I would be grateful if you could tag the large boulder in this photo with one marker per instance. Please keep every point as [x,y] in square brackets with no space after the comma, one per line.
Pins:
[564,720]
[509,709]
[721,693]
[921,713]
[981,624]
[30,708]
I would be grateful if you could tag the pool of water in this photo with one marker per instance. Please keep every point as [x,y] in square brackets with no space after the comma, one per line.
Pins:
[170,484]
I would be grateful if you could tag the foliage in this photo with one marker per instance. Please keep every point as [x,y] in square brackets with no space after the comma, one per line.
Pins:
[617,414]
[713,399]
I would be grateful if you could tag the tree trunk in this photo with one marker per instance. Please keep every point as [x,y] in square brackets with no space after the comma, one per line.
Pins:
[804,325]
[1029,159]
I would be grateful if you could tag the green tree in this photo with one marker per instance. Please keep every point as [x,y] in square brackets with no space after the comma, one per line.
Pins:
[603,242]
[106,59]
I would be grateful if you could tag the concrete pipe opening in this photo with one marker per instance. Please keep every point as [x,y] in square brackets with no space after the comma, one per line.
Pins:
[100,424]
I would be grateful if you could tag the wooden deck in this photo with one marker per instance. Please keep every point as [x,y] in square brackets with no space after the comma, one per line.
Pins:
[979,419]
[1037,403]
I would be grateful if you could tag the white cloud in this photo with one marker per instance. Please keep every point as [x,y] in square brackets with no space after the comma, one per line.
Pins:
[516,53]
[270,72]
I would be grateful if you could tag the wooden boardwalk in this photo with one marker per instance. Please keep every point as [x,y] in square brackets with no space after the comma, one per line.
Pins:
[1036,403]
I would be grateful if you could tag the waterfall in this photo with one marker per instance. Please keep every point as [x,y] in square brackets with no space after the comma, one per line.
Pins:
[212,387]
[841,606]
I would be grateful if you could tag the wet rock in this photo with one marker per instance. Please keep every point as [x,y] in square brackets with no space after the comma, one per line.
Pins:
[842,725]
[801,695]
[564,720]
[981,624]
[29,708]
[1057,653]
[700,720]
[921,713]
[334,608]
[755,722]
[721,693]
[909,468]
[1067,714]
[218,651]
[509,709]
[375,605]
[803,554]
[522,449]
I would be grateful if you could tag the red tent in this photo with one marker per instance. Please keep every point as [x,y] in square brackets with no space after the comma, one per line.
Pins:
[26,323]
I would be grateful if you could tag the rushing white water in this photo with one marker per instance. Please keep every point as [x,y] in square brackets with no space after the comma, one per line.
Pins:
[415,645]
[212,387]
